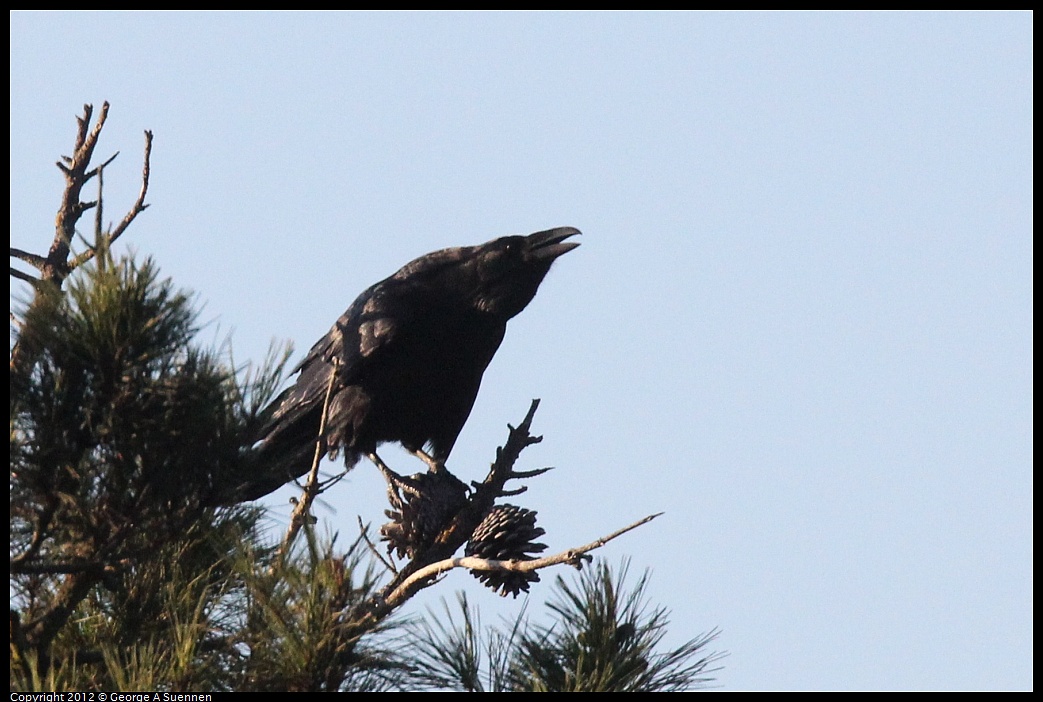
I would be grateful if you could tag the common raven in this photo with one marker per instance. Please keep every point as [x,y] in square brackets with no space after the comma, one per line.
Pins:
[405,361]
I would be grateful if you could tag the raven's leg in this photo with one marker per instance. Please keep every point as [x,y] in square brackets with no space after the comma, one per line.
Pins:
[395,481]
[434,464]
[389,474]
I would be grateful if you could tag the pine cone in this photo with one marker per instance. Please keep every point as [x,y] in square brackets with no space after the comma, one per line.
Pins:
[506,534]
[421,506]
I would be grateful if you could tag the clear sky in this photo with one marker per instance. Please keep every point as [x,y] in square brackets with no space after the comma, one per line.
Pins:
[799,323]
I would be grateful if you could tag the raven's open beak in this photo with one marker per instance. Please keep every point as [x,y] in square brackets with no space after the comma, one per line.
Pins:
[548,245]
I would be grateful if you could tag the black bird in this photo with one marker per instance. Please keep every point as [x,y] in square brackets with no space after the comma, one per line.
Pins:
[406,358]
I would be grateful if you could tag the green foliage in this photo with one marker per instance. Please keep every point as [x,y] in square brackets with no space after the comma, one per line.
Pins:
[124,577]
[604,639]
[119,429]
[463,655]
[298,632]
[118,410]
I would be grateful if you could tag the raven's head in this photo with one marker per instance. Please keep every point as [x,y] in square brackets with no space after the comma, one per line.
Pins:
[511,268]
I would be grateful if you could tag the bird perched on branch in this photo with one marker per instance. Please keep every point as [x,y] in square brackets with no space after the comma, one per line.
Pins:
[405,361]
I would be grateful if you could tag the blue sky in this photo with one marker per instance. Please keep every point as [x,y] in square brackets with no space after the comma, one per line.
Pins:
[800,322]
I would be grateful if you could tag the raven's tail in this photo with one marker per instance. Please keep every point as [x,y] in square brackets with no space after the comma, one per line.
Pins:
[283,450]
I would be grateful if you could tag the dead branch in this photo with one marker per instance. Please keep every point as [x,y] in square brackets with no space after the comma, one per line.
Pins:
[72,208]
[15,273]
[572,556]
[106,239]
[32,259]
[56,266]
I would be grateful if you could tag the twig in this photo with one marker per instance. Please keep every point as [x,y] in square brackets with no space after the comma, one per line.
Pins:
[530,473]
[98,211]
[96,171]
[302,511]
[40,532]
[364,535]
[56,568]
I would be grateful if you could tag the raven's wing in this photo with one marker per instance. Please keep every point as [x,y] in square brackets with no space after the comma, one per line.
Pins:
[367,329]
[286,447]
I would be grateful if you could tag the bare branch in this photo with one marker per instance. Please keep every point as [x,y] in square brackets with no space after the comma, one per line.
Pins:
[530,473]
[515,491]
[425,567]
[91,141]
[32,259]
[40,532]
[459,530]
[56,265]
[98,234]
[573,556]
[139,206]
[15,273]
